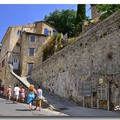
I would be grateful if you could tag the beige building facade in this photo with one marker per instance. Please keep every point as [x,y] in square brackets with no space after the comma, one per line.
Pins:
[20,47]
[44,28]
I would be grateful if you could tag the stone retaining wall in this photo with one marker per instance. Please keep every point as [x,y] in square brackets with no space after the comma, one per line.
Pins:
[74,72]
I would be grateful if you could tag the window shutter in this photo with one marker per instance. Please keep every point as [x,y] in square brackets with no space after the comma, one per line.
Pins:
[19,32]
[46,31]
[54,32]
[32,38]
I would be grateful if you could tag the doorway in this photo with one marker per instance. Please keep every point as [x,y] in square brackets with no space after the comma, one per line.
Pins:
[30,66]
[94,100]
[16,62]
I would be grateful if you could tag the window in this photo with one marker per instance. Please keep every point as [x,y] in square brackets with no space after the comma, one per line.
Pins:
[46,31]
[31,51]
[17,44]
[19,32]
[3,63]
[15,60]
[54,32]
[32,38]
[50,32]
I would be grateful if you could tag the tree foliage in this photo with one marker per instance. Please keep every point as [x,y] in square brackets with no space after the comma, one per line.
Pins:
[81,15]
[107,9]
[63,21]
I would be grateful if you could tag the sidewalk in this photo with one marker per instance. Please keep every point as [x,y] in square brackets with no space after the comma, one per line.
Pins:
[65,106]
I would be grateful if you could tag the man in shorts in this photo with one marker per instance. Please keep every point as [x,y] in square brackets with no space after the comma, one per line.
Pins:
[16,93]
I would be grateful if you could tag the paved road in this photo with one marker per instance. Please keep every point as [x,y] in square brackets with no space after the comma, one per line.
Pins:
[61,108]
[19,109]
[72,109]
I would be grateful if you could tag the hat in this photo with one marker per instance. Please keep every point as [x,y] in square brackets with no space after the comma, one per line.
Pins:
[9,85]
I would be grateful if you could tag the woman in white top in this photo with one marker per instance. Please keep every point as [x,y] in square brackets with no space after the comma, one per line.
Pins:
[39,98]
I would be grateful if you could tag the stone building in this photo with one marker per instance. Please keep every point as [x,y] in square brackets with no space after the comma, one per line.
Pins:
[94,12]
[20,45]
[44,28]
[31,44]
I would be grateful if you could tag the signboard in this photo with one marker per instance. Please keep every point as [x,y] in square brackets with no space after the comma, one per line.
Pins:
[102,92]
[93,89]
[65,37]
[80,88]
[85,88]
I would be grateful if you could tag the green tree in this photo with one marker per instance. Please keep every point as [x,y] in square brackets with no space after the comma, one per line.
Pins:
[107,9]
[63,21]
[81,15]
[54,44]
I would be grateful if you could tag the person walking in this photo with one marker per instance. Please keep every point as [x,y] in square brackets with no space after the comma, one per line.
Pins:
[31,96]
[22,94]
[2,90]
[16,93]
[39,98]
[9,91]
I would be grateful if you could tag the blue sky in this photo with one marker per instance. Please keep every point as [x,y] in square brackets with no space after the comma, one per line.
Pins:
[20,14]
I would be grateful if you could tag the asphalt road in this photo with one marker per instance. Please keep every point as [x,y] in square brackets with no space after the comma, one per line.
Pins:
[60,107]
[20,109]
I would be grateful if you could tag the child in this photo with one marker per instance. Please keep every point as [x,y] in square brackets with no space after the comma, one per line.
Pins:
[22,94]
[9,91]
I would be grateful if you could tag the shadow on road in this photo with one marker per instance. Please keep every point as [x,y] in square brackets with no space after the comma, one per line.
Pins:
[22,109]
[10,103]
[2,101]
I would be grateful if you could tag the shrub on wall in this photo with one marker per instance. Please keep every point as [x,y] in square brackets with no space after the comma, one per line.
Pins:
[54,44]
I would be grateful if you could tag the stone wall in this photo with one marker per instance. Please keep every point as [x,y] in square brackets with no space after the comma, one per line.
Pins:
[74,72]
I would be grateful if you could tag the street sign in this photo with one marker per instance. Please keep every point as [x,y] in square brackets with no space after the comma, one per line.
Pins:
[85,88]
[102,92]
[93,89]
